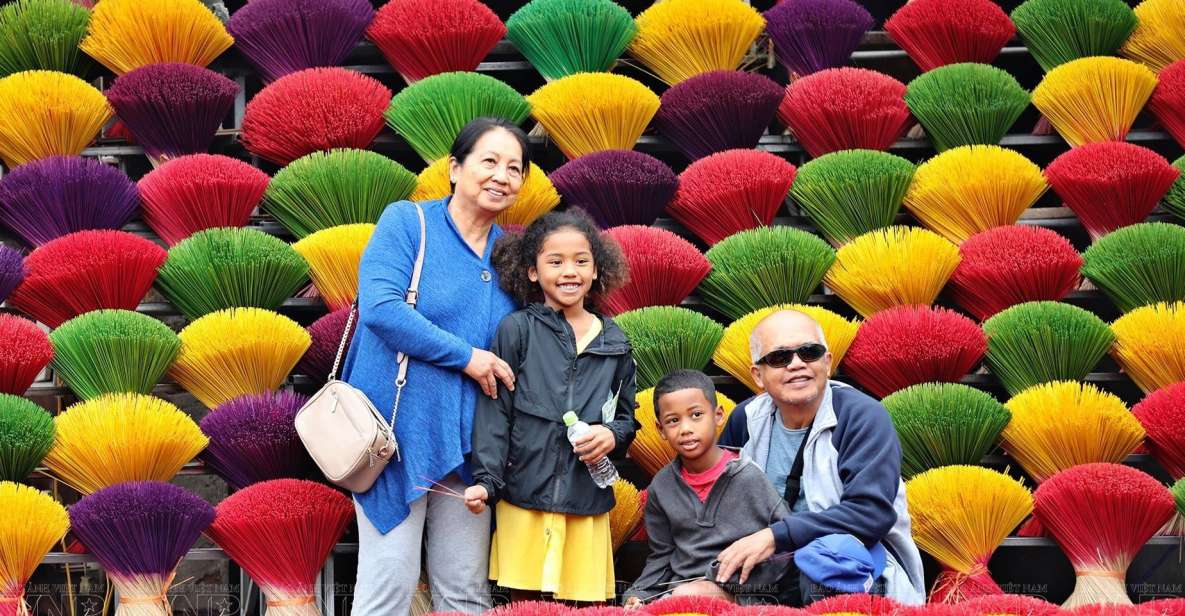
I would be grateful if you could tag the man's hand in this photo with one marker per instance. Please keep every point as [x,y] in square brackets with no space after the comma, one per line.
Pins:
[475,498]
[744,554]
[595,445]
[633,603]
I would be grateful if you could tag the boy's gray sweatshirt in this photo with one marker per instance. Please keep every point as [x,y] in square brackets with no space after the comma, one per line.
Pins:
[686,535]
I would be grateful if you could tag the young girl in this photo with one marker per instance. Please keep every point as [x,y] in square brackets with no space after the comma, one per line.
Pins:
[552,520]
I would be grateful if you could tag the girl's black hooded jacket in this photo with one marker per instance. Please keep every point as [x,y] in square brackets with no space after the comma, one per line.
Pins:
[521,451]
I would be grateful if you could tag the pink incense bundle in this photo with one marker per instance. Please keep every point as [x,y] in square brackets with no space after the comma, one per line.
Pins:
[1101,514]
[1166,607]
[939,32]
[767,610]
[1168,100]
[868,605]
[25,351]
[326,333]
[1011,605]
[202,191]
[1110,184]
[531,608]
[1005,266]
[908,345]
[280,532]
[845,109]
[1111,609]
[421,38]
[705,606]
[664,268]
[731,191]
[1162,413]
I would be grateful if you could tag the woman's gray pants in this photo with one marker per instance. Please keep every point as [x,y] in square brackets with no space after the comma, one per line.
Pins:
[455,546]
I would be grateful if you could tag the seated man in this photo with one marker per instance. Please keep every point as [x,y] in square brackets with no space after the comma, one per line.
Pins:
[830,450]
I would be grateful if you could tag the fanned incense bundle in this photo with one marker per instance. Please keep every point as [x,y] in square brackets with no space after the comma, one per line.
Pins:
[531,608]
[202,191]
[340,187]
[112,351]
[26,434]
[892,267]
[139,531]
[172,109]
[564,37]
[1038,342]
[85,271]
[25,350]
[626,515]
[590,112]
[731,191]
[850,193]
[326,333]
[668,338]
[664,268]
[679,39]
[1174,199]
[314,109]
[49,198]
[760,610]
[1011,605]
[941,424]
[764,267]
[253,438]
[650,450]
[12,270]
[960,516]
[1005,266]
[1168,100]
[121,437]
[230,268]
[973,188]
[1101,515]
[284,36]
[31,523]
[733,354]
[536,197]
[1162,414]
[333,256]
[687,606]
[1156,41]
[42,34]
[844,109]
[813,35]
[1061,424]
[1058,31]
[908,345]
[1094,99]
[281,531]
[1110,185]
[430,113]
[617,187]
[45,113]
[237,351]
[1165,607]
[1150,344]
[1139,265]
[860,604]
[127,34]
[965,104]
[939,32]
[420,38]
[718,110]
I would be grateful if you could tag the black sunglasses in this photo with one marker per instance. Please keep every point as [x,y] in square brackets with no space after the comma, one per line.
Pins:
[809,352]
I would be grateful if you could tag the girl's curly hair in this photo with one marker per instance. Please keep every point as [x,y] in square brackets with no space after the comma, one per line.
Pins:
[516,253]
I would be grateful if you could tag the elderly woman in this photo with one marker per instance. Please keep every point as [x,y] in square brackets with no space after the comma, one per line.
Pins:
[445,337]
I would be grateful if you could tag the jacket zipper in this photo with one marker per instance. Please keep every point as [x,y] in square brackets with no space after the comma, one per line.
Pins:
[558,473]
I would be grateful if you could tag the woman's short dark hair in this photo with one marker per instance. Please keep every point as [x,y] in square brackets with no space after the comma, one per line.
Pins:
[516,253]
[467,139]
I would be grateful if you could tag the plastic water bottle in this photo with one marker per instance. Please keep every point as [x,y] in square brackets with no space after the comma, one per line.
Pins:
[603,472]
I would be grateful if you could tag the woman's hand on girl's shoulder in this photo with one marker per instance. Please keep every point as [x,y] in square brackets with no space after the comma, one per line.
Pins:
[595,445]
[487,369]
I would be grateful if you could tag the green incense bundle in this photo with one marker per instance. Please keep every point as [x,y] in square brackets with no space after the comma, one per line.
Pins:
[666,338]
[112,351]
[1039,342]
[1058,31]
[1174,200]
[763,267]
[26,434]
[563,37]
[852,192]
[42,35]
[1139,265]
[966,104]
[941,424]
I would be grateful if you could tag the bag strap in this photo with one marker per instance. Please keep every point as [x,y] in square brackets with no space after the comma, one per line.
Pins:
[794,477]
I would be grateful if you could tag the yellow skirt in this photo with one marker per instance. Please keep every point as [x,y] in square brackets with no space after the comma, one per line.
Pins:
[569,556]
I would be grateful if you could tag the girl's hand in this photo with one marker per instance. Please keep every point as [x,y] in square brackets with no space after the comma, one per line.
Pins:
[595,445]
[633,603]
[487,369]
[475,498]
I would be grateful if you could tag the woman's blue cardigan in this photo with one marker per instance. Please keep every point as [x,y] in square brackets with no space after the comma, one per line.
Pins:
[460,306]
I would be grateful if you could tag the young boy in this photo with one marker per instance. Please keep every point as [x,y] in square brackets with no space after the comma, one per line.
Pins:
[701,502]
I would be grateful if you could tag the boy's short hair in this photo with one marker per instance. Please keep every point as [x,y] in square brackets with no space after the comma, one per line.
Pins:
[683,379]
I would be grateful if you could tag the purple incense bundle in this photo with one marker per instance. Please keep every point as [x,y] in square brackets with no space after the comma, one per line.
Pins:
[253,438]
[172,109]
[617,187]
[327,336]
[48,198]
[139,531]
[284,36]
[717,111]
[12,270]
[812,35]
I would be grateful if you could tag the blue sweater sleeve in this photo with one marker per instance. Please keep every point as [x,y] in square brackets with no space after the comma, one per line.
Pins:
[870,469]
[383,278]
[736,429]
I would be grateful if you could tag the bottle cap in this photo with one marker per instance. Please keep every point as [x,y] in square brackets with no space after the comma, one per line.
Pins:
[570,418]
